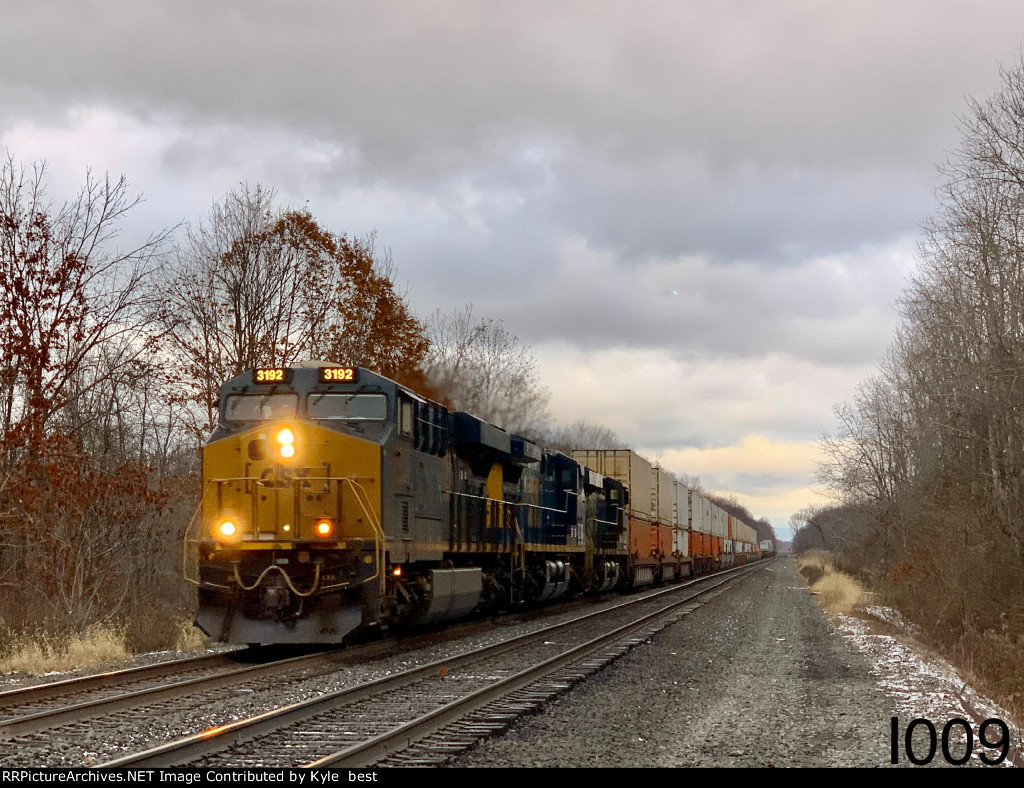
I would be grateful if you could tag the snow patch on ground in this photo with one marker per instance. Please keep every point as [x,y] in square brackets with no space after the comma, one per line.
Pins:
[923,684]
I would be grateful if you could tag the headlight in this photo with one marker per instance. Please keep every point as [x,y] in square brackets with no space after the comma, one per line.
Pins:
[227,530]
[287,440]
[323,528]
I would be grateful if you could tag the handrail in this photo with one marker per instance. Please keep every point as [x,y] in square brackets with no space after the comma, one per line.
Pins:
[287,579]
[360,495]
[189,541]
[513,503]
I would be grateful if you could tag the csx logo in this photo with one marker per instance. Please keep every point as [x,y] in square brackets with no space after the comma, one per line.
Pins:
[283,477]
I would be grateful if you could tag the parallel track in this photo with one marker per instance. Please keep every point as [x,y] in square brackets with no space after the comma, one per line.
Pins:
[27,696]
[45,706]
[469,695]
[116,696]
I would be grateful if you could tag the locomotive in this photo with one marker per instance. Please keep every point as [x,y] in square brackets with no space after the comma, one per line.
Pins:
[335,500]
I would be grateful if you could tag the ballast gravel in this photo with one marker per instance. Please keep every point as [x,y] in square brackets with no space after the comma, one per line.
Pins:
[756,677]
[97,740]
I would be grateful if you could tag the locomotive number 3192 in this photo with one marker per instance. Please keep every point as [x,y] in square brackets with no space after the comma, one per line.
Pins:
[337,374]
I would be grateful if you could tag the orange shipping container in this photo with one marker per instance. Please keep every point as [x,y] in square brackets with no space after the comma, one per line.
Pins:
[698,547]
[665,539]
[643,540]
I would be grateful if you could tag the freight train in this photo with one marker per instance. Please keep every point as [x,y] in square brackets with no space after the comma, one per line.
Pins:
[336,500]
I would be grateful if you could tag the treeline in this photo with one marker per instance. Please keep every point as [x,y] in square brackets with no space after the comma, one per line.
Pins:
[928,458]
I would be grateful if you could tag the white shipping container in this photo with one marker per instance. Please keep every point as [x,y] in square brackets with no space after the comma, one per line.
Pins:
[700,513]
[681,535]
[664,497]
[628,467]
[708,518]
[751,535]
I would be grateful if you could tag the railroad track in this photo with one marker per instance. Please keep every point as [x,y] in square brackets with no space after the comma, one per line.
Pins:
[16,701]
[94,712]
[119,691]
[423,715]
[44,706]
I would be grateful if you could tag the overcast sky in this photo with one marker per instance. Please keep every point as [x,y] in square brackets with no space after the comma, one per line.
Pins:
[698,214]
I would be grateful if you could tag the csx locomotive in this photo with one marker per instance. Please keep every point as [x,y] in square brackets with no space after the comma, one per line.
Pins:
[336,500]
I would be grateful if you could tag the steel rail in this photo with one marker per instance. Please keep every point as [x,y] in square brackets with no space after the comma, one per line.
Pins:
[222,737]
[34,721]
[94,681]
[28,723]
[387,744]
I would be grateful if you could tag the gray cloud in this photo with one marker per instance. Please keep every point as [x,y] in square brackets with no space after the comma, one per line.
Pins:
[418,89]
[765,131]
[833,309]
[565,167]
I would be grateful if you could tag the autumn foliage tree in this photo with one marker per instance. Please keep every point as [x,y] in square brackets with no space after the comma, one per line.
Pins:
[70,546]
[66,289]
[255,285]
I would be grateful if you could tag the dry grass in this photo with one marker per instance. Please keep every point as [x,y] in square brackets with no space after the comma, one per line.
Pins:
[40,654]
[100,647]
[189,637]
[837,591]
[814,564]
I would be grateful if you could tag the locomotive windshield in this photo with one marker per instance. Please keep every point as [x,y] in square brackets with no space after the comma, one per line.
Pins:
[348,407]
[260,407]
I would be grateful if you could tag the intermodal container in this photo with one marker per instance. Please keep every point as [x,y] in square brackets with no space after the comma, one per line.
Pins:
[628,467]
[681,539]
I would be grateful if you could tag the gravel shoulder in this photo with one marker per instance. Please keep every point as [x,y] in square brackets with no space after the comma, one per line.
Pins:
[755,677]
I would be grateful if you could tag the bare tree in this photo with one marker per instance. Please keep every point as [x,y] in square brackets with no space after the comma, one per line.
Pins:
[581,434]
[927,460]
[479,367]
[66,288]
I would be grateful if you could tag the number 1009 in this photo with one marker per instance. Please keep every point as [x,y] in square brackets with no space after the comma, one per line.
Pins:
[989,728]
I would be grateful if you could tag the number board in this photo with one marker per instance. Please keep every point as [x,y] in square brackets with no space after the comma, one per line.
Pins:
[266,375]
[339,374]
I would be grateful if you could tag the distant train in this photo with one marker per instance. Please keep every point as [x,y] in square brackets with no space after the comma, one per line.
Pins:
[336,500]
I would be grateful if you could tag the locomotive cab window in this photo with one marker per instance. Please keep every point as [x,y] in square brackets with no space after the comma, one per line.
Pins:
[407,419]
[260,407]
[347,407]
